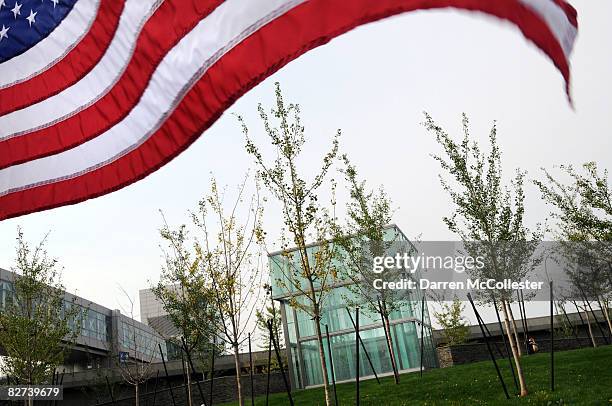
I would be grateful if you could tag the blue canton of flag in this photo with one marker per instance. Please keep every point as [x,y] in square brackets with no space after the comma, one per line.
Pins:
[25,23]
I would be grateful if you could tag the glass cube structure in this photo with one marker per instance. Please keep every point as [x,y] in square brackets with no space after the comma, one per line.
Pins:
[300,334]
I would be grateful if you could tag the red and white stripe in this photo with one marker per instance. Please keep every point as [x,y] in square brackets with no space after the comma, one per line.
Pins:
[170,69]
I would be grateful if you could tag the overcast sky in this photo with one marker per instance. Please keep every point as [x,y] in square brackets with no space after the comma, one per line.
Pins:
[374,83]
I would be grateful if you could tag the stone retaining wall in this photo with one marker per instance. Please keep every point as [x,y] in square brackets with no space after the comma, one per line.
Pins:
[473,352]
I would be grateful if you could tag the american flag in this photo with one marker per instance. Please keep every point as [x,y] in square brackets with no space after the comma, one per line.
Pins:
[98,94]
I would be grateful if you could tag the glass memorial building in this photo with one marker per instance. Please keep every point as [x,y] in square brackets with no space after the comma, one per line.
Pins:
[299,328]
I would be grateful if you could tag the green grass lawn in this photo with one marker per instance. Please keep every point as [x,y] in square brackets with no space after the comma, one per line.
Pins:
[582,377]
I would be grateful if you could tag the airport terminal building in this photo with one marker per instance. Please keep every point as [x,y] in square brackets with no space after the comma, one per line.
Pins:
[301,341]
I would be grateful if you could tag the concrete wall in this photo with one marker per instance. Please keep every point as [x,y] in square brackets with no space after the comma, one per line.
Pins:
[150,306]
[224,390]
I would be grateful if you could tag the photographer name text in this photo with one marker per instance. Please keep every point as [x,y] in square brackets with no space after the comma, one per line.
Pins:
[469,284]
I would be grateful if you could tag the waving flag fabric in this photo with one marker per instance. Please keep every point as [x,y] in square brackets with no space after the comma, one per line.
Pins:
[97,94]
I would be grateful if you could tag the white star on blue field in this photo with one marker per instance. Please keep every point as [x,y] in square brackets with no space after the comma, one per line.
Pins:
[25,23]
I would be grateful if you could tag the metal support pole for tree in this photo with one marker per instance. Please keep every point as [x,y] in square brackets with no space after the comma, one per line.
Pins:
[525,314]
[194,372]
[61,379]
[357,356]
[51,402]
[490,335]
[552,341]
[422,331]
[391,355]
[363,347]
[601,330]
[269,366]
[155,390]
[508,353]
[604,313]
[167,376]
[522,302]
[582,323]
[331,363]
[501,354]
[186,379]
[574,329]
[280,362]
[110,390]
[523,321]
[251,372]
[212,375]
[499,375]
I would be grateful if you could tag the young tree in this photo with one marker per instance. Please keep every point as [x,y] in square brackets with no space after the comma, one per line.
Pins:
[566,329]
[587,268]
[37,325]
[583,210]
[186,296]
[361,240]
[488,217]
[228,257]
[135,366]
[272,314]
[450,318]
[308,271]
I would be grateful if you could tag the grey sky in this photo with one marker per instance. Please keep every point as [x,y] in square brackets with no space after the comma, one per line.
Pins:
[373,83]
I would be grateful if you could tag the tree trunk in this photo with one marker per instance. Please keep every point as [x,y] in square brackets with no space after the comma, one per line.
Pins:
[322,357]
[513,345]
[238,383]
[515,331]
[387,328]
[189,396]
[136,398]
[588,319]
[604,309]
